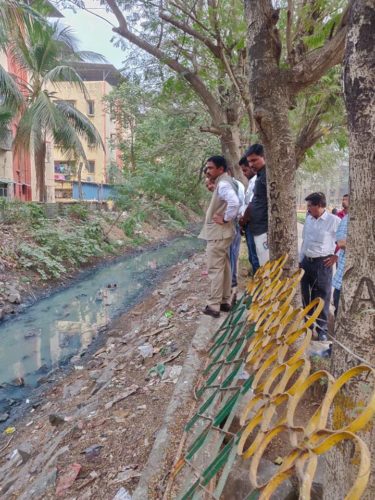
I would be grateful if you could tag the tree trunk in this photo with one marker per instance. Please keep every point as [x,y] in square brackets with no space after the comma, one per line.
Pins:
[40,172]
[271,99]
[355,325]
[79,179]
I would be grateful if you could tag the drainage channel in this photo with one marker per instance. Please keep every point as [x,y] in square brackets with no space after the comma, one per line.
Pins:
[47,334]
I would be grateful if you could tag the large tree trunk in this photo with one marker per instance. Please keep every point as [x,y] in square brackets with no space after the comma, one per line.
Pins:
[40,172]
[355,325]
[270,96]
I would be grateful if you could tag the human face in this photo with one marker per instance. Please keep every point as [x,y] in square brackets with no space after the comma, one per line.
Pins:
[213,172]
[314,210]
[256,162]
[247,171]
[345,202]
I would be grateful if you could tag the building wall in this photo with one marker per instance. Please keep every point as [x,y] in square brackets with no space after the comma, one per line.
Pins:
[102,122]
[6,157]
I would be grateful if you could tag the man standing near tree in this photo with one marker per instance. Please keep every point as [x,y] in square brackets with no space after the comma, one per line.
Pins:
[258,208]
[218,230]
[250,174]
[317,256]
[345,207]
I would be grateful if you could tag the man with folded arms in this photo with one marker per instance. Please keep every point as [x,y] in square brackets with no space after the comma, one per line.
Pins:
[317,256]
[218,230]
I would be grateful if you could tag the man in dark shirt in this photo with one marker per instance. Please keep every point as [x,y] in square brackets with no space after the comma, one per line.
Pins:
[258,216]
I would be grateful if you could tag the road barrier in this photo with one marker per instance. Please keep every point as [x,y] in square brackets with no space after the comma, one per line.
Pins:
[256,376]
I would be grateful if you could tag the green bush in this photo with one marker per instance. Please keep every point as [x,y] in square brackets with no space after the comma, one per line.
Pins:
[173,211]
[55,247]
[78,211]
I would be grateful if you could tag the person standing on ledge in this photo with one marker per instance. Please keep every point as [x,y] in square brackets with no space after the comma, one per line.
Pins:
[218,230]
[317,256]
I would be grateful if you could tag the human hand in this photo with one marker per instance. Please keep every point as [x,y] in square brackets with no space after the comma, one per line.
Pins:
[329,261]
[218,218]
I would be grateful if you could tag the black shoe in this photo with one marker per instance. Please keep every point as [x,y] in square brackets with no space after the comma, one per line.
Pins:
[225,307]
[211,312]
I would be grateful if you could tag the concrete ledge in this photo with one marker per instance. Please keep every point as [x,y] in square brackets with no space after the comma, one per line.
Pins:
[154,470]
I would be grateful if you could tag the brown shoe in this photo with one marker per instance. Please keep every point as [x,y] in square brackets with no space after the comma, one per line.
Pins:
[211,312]
[225,307]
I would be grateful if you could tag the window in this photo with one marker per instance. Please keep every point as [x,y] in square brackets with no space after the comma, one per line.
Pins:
[3,190]
[91,108]
[91,167]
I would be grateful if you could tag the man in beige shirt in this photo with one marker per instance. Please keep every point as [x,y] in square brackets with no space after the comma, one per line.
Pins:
[218,230]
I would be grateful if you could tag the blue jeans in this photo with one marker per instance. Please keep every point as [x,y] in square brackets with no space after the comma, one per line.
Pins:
[234,251]
[253,258]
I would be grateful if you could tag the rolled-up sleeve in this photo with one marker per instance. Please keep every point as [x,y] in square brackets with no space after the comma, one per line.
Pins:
[226,193]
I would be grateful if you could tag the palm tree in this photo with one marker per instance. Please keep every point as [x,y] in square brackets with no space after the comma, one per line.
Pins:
[13,15]
[44,52]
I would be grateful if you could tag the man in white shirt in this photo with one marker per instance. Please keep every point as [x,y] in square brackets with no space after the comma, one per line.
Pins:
[218,230]
[234,249]
[317,250]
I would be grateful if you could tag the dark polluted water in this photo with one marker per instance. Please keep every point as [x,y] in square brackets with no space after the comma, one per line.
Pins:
[48,333]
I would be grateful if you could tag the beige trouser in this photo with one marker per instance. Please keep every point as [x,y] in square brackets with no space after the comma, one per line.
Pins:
[261,245]
[219,272]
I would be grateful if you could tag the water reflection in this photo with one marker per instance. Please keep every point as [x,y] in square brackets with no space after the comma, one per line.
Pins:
[61,325]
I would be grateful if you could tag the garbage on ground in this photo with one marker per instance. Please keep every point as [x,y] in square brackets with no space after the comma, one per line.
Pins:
[169,314]
[129,472]
[67,478]
[146,350]
[122,494]
[130,390]
[9,430]
[172,373]
[92,451]
[157,370]
[278,461]
[56,420]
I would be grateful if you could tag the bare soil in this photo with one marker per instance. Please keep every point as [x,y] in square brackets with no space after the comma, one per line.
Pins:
[80,411]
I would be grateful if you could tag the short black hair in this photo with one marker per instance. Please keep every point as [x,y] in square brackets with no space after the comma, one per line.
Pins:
[317,199]
[243,161]
[255,149]
[219,161]
[345,196]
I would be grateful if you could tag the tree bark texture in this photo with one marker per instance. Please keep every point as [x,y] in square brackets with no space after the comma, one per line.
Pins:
[40,172]
[271,100]
[355,325]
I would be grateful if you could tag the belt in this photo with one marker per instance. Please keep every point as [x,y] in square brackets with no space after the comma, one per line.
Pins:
[314,259]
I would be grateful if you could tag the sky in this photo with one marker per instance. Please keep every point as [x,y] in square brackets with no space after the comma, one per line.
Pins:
[93,33]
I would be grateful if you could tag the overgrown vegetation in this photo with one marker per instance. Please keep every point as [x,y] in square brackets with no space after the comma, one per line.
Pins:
[51,247]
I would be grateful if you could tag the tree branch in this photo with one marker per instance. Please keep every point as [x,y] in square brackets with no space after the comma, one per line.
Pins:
[289,46]
[190,31]
[317,62]
[210,130]
[193,79]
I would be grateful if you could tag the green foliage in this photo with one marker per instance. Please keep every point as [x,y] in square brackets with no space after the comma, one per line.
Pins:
[53,247]
[13,212]
[78,211]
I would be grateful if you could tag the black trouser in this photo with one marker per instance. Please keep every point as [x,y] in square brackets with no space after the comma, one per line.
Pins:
[317,282]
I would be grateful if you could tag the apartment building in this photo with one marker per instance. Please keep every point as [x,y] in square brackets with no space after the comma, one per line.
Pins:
[99,80]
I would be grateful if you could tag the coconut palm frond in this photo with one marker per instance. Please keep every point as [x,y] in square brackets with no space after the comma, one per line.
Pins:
[38,119]
[67,139]
[81,123]
[11,96]
[60,74]
[89,56]
[13,16]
